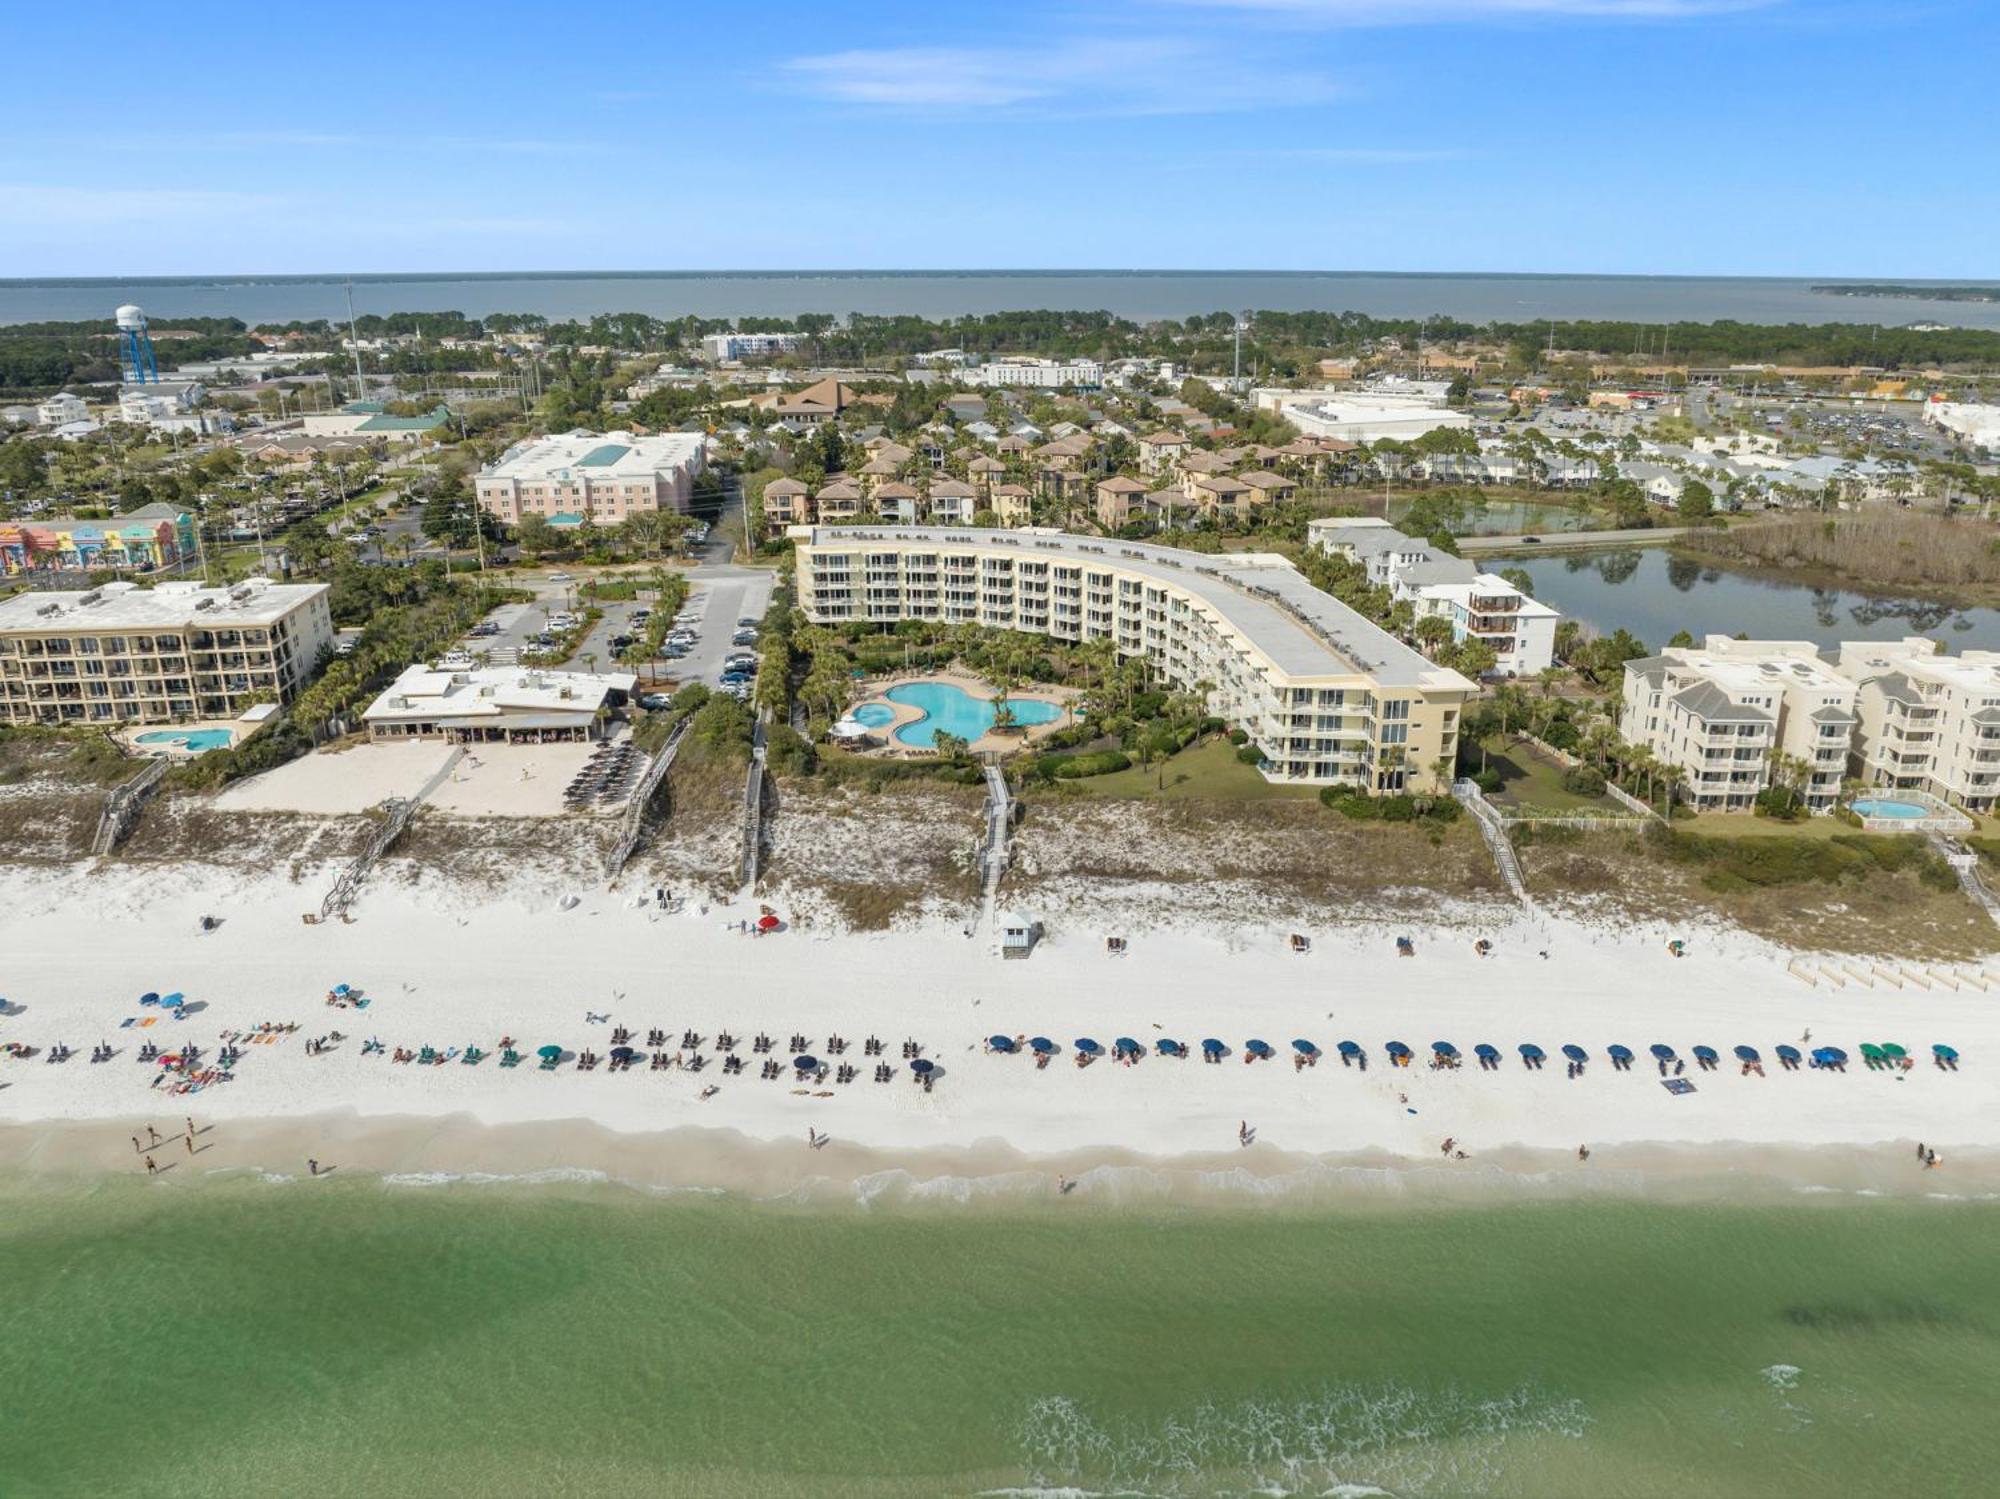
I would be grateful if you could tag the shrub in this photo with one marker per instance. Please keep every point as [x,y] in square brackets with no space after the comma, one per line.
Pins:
[1096,763]
[1238,736]
[1583,780]
[1488,780]
[1250,755]
[1780,803]
[1399,808]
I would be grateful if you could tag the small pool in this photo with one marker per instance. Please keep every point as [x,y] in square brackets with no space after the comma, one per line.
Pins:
[949,709]
[194,741]
[874,715]
[1888,807]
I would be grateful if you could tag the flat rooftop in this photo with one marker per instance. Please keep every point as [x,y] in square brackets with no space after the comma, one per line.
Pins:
[521,696]
[124,606]
[1299,629]
[606,455]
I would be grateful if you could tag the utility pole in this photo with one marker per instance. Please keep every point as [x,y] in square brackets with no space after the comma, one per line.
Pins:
[354,338]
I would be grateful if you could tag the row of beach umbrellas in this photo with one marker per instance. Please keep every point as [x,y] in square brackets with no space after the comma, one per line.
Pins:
[1127,1046]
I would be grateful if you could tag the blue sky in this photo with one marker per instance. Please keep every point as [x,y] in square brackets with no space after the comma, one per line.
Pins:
[1783,137]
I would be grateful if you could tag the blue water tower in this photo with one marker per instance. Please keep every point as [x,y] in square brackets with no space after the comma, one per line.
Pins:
[135,347]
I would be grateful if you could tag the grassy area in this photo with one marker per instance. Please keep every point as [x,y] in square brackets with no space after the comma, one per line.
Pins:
[1209,771]
[1531,781]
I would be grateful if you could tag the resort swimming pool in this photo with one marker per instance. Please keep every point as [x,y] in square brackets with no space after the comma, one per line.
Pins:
[194,741]
[951,709]
[1887,807]
[874,715]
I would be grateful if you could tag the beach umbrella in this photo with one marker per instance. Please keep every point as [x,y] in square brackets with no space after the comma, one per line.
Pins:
[1397,1049]
[342,989]
[1872,1052]
[1349,1048]
[1444,1048]
[622,1053]
[1305,1048]
[1257,1048]
[172,999]
[1041,1045]
[923,1066]
[1087,1046]
[1486,1053]
[767,923]
[150,997]
[1706,1053]
[1532,1052]
[1575,1053]
[549,1053]
[1003,1043]
[806,1064]
[1169,1047]
[1620,1053]
[1893,1052]
[1949,1053]
[1213,1047]
[1746,1054]
[1788,1053]
[1126,1046]
[1661,1050]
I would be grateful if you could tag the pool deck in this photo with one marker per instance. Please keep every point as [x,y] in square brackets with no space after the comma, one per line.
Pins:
[874,690]
[130,735]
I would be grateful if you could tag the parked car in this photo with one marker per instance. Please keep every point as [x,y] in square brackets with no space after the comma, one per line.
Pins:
[558,577]
[652,702]
[619,642]
[747,623]
[744,637]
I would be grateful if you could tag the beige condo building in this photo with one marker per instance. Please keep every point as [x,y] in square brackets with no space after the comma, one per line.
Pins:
[125,654]
[1928,722]
[1327,695]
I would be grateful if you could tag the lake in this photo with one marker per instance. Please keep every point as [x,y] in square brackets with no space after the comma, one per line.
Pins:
[1655,595]
[940,294]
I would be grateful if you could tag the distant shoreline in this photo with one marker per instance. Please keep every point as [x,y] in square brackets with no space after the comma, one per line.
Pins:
[1913,292]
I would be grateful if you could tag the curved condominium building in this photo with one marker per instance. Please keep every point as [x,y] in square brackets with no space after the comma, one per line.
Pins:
[1328,696]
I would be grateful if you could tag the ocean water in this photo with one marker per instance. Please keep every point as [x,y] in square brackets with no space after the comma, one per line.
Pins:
[936,294]
[260,1336]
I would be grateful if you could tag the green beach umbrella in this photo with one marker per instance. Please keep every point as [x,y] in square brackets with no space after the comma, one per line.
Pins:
[1871,1051]
[1893,1051]
[549,1052]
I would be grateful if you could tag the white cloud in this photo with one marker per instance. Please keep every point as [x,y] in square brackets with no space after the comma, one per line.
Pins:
[1092,76]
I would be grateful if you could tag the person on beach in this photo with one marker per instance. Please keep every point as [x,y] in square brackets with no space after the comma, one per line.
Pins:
[1583,1152]
[152,1135]
[312,1166]
[138,1149]
[152,1168]
[1448,1143]
[190,1144]
[1920,1150]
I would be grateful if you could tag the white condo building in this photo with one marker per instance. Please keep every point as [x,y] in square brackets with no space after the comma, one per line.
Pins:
[606,476]
[1043,373]
[61,410]
[1928,722]
[722,347]
[1720,710]
[1326,694]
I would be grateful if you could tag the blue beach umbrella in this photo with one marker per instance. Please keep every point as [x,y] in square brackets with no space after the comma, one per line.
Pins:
[1575,1053]
[1745,1053]
[1305,1048]
[1789,1054]
[1444,1048]
[1213,1047]
[1127,1047]
[1257,1048]
[1168,1047]
[1620,1053]
[1661,1050]
[168,1001]
[1949,1053]
[1349,1049]
[1706,1053]
[1003,1043]
[622,1053]
[923,1066]
[1531,1052]
[1486,1053]
[1397,1049]
[150,997]
[1829,1055]
[1087,1046]
[806,1064]
[1041,1046]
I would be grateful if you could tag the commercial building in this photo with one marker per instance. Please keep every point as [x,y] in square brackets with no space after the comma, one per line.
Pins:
[503,705]
[1046,374]
[1328,696]
[1362,415]
[1928,722]
[151,537]
[606,476]
[1720,711]
[722,347]
[124,654]
[371,420]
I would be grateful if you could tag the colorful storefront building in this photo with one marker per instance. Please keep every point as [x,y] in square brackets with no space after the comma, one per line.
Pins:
[157,536]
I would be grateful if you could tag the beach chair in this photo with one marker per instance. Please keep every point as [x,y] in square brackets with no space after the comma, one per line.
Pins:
[510,1058]
[1301,943]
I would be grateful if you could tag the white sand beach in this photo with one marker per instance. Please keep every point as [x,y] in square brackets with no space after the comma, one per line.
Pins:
[445,968]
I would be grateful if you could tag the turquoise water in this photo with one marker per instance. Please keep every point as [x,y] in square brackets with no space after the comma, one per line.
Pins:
[875,715]
[198,741]
[350,1339]
[1882,807]
[952,710]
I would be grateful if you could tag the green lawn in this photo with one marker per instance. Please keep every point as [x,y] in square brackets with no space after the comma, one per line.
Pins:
[1530,780]
[1209,771]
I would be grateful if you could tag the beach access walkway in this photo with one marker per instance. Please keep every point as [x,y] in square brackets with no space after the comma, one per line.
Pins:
[399,811]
